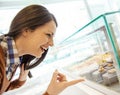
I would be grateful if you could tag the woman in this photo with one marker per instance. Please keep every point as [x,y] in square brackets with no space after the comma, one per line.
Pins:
[30,35]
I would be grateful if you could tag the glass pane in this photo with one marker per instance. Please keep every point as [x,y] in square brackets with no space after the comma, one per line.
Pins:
[94,52]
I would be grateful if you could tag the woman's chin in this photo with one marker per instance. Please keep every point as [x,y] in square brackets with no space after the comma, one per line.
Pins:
[38,56]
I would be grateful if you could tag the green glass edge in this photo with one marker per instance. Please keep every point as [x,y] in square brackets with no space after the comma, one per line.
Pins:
[103,16]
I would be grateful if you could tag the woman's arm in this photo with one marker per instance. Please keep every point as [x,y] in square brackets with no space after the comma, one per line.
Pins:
[45,93]
[21,80]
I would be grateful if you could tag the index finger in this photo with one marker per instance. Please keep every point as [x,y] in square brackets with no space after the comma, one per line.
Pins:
[73,82]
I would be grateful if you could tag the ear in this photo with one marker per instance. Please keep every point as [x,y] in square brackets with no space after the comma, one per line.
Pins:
[26,31]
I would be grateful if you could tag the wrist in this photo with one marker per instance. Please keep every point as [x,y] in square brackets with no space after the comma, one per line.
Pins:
[46,93]
[22,79]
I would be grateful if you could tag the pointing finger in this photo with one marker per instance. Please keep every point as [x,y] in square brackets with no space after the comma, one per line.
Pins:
[73,82]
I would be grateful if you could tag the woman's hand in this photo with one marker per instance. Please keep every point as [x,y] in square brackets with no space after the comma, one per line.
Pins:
[59,83]
[23,73]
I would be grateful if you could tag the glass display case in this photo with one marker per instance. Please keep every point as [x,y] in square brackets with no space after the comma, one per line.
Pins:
[93,52]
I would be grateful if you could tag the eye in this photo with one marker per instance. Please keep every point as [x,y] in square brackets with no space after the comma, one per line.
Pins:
[49,35]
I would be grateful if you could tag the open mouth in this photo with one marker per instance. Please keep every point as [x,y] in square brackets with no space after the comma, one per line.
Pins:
[42,49]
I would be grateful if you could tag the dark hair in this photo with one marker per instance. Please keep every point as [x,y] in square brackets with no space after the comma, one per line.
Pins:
[30,17]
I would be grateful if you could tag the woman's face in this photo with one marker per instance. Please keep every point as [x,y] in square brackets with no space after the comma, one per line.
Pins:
[38,40]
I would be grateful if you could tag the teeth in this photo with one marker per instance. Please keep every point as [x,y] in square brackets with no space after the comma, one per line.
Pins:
[44,48]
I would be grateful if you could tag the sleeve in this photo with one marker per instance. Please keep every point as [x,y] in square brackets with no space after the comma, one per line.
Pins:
[15,84]
[1,75]
[3,81]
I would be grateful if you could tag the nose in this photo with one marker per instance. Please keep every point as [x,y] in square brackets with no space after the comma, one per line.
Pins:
[51,42]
